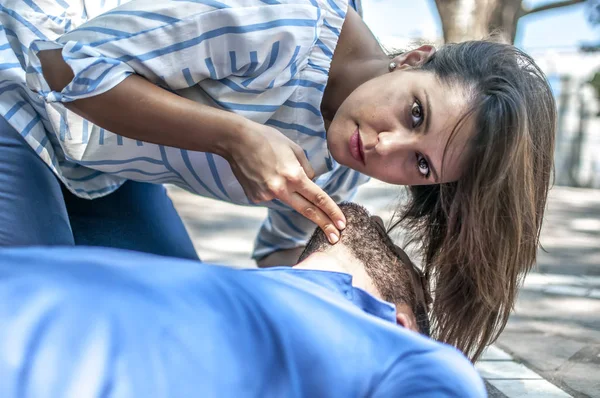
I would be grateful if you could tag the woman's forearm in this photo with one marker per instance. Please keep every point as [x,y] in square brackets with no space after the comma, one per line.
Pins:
[140,110]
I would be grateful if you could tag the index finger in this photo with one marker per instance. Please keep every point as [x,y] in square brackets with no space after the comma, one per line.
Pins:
[314,194]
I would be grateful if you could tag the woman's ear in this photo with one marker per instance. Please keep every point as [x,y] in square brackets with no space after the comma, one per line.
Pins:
[414,58]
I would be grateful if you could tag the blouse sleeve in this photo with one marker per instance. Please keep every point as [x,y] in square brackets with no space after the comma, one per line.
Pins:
[177,44]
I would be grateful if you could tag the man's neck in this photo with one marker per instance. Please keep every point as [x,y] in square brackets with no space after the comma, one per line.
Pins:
[339,259]
[322,261]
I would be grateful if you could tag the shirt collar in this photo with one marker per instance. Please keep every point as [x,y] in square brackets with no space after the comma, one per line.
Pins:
[341,283]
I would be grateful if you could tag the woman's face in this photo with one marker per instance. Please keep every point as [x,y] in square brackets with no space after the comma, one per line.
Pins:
[395,128]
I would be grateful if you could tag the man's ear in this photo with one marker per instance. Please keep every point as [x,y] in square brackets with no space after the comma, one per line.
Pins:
[414,58]
[378,221]
[405,320]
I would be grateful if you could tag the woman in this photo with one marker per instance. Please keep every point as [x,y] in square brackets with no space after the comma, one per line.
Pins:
[288,91]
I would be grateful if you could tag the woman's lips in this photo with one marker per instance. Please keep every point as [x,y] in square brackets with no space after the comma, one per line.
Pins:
[356,149]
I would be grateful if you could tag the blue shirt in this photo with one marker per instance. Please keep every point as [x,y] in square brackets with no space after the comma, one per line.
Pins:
[265,60]
[88,322]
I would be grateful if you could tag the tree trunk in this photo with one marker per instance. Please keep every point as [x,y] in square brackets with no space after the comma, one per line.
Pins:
[478,19]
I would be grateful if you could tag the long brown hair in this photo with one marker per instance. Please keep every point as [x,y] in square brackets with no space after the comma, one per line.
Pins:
[479,235]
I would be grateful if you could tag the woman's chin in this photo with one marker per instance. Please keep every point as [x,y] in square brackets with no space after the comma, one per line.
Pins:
[334,149]
[338,148]
[345,159]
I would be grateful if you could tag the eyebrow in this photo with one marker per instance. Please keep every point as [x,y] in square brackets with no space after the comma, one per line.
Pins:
[428,114]
[433,171]
[427,124]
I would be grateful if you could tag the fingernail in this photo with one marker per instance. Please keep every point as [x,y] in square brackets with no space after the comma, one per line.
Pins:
[333,238]
[341,224]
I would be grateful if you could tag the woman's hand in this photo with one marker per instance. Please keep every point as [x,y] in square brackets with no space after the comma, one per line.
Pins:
[268,165]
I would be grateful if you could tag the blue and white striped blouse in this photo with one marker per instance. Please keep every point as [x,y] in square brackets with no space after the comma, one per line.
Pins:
[267,60]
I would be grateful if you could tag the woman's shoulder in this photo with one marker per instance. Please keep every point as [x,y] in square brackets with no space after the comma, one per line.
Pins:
[339,7]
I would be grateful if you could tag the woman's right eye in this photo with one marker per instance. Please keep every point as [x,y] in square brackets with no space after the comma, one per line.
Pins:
[416,113]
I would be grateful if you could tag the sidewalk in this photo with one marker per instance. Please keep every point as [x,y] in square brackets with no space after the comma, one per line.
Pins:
[555,329]
[551,345]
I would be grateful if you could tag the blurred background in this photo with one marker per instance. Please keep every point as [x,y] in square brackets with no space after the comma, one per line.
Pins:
[551,345]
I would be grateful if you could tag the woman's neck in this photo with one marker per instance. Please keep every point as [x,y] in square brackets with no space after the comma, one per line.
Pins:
[358,57]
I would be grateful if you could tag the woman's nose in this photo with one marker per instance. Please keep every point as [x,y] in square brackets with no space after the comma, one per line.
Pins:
[392,142]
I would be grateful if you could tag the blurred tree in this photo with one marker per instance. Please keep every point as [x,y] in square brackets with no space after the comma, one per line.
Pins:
[595,82]
[594,11]
[476,19]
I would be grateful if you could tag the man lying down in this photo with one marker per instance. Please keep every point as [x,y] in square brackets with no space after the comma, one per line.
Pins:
[83,322]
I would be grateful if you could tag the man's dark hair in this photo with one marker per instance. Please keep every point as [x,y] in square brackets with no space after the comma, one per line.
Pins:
[390,269]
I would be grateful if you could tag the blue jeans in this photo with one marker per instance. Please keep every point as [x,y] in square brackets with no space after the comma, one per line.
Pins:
[36,209]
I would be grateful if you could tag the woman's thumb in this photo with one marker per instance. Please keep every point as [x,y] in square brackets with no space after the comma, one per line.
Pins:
[301,156]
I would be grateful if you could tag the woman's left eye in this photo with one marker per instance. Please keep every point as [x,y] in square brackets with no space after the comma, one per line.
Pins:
[416,113]
[423,166]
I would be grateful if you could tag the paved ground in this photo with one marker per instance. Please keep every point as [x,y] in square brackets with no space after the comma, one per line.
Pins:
[551,345]
[555,329]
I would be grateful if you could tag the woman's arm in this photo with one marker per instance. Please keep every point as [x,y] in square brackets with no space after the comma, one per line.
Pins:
[266,163]
[140,110]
